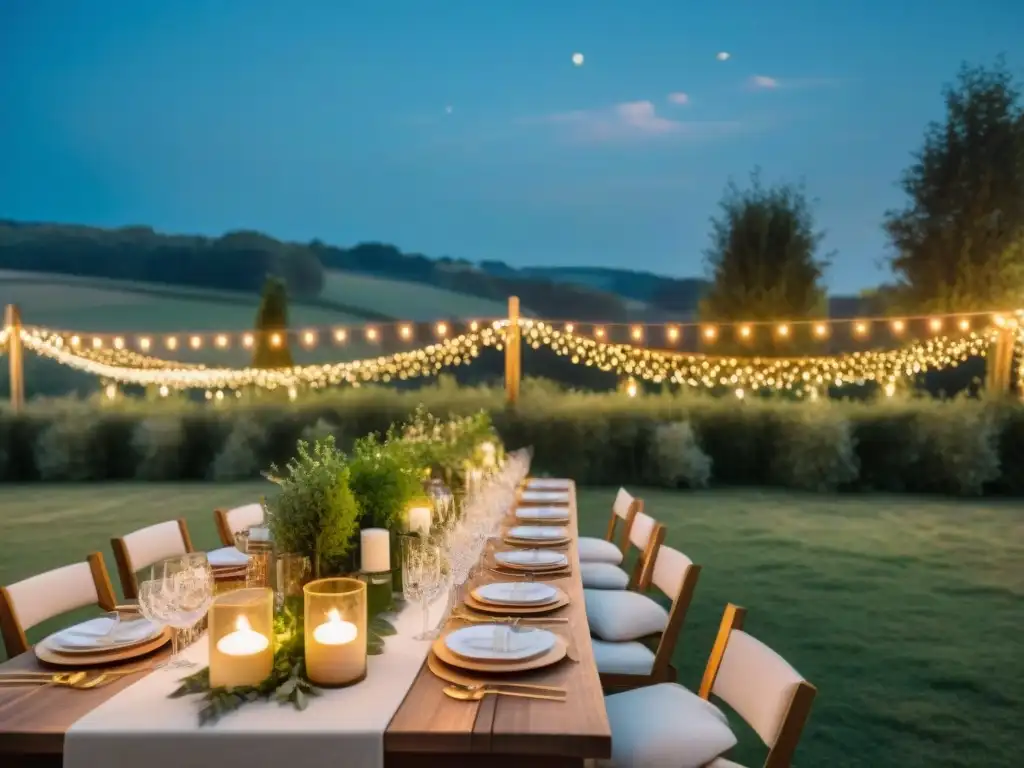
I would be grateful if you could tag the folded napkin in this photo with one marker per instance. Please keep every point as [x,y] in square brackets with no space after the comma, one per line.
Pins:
[227,557]
[105,631]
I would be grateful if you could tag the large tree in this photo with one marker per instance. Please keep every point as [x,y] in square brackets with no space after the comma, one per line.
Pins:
[958,245]
[763,259]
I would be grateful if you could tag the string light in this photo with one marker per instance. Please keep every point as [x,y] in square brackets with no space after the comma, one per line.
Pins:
[474,326]
[710,333]
[309,338]
[144,343]
[118,342]
[935,325]
[221,341]
[745,331]
[247,340]
[275,340]
[783,330]
[569,327]
[820,330]
[792,373]
[172,342]
[637,333]
[340,334]
[97,342]
[673,333]
[860,328]
[965,324]
[898,326]
[442,329]
[195,342]
[427,361]
[599,332]
[405,332]
[75,341]
[371,334]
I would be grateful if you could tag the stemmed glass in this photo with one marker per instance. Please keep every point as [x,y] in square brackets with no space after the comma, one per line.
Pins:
[422,581]
[154,606]
[187,590]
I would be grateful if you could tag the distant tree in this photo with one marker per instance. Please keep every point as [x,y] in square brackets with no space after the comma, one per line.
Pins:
[271,319]
[958,245]
[763,259]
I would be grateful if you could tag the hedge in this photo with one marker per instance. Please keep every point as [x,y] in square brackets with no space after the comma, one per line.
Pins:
[960,446]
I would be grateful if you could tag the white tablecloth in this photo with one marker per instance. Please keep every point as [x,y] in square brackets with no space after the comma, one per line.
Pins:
[140,726]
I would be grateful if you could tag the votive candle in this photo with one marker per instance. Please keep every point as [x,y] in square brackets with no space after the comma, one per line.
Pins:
[419,520]
[376,550]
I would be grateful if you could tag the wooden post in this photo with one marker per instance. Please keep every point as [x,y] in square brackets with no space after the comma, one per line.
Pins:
[999,367]
[15,357]
[513,356]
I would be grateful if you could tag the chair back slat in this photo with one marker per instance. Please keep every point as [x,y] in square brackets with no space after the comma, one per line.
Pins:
[145,547]
[232,521]
[621,506]
[31,601]
[670,567]
[757,683]
[641,530]
[153,544]
[50,594]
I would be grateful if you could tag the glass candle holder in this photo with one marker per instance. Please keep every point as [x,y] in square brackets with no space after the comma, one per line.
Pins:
[335,631]
[241,630]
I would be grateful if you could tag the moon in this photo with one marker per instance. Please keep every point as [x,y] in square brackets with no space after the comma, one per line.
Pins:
[722,56]
[577,59]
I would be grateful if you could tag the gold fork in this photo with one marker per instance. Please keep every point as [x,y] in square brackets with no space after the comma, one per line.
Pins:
[64,680]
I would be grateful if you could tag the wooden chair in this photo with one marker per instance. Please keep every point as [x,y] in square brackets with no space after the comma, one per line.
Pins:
[666,722]
[594,550]
[635,637]
[231,521]
[145,547]
[645,534]
[38,598]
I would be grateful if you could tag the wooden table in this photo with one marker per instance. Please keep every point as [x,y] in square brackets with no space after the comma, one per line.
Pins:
[429,729]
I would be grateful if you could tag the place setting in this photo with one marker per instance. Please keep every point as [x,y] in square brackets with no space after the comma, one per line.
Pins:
[545,496]
[546,515]
[531,562]
[228,564]
[537,536]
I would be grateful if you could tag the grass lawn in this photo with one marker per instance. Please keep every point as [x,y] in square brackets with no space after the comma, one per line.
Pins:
[407,300]
[905,612]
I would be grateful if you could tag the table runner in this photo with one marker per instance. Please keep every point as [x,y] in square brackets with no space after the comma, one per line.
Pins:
[142,726]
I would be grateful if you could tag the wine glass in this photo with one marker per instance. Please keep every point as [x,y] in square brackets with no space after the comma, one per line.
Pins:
[153,606]
[188,589]
[422,581]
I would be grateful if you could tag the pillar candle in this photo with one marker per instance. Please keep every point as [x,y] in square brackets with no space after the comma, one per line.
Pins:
[419,520]
[376,550]
[336,655]
[243,657]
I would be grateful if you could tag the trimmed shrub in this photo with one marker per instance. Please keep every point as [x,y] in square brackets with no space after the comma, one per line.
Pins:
[957,446]
[814,448]
[678,459]
[240,458]
[158,443]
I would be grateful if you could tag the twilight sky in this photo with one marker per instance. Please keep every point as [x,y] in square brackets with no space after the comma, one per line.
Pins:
[462,128]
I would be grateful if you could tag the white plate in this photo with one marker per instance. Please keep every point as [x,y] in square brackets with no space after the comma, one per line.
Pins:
[550,497]
[543,513]
[532,557]
[516,593]
[547,483]
[92,635]
[498,642]
[259,533]
[539,532]
[226,557]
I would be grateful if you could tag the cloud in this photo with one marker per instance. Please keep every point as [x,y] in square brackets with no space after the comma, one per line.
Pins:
[763,82]
[678,97]
[630,120]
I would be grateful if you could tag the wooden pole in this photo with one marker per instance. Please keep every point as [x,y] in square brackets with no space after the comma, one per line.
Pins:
[1000,363]
[15,357]
[513,356]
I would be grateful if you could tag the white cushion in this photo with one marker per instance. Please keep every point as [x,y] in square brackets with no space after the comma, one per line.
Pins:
[617,616]
[593,550]
[623,658]
[721,762]
[603,576]
[665,726]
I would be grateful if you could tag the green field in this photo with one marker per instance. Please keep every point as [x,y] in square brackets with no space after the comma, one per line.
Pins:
[406,300]
[905,612]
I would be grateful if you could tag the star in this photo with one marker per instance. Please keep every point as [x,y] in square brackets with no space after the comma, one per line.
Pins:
[577,59]
[722,56]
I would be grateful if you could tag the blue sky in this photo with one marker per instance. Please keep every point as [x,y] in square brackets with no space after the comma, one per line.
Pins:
[331,119]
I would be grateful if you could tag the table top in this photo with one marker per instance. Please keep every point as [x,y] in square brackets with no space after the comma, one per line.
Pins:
[430,722]
[33,721]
